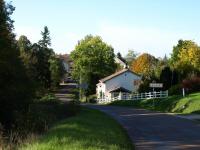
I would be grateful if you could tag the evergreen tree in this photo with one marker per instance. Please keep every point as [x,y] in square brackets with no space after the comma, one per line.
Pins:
[44,54]
[15,90]
[46,40]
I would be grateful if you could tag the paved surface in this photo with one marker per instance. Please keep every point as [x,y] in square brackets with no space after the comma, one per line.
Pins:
[155,131]
[65,93]
[190,116]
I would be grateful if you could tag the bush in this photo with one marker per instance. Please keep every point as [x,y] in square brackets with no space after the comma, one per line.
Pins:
[192,84]
[144,86]
[175,90]
[42,115]
[38,119]
[92,98]
[49,97]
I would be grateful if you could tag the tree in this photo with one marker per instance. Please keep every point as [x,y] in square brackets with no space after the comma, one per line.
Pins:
[28,57]
[161,64]
[166,78]
[44,54]
[186,58]
[120,57]
[15,89]
[93,59]
[131,56]
[145,65]
[57,70]
[46,40]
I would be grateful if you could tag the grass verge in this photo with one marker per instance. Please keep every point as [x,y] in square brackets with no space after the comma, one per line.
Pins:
[91,130]
[176,104]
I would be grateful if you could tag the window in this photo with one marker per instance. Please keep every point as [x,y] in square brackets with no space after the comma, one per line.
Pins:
[116,94]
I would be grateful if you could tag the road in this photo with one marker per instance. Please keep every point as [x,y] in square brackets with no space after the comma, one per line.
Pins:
[155,131]
[66,92]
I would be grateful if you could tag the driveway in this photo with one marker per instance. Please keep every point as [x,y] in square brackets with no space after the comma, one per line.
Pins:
[153,130]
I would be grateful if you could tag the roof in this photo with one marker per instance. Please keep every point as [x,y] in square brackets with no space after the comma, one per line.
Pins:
[120,89]
[65,57]
[117,74]
[119,61]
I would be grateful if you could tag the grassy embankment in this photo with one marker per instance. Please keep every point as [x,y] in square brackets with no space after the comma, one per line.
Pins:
[90,130]
[175,104]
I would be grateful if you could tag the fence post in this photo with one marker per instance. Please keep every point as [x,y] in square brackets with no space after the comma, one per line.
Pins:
[167,93]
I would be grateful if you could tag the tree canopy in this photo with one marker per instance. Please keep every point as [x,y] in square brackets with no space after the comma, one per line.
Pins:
[15,89]
[46,40]
[186,57]
[131,56]
[93,59]
[144,64]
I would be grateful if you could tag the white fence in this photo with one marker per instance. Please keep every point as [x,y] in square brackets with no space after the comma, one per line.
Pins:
[149,95]
[139,96]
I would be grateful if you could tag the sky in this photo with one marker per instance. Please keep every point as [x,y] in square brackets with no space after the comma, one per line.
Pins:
[151,26]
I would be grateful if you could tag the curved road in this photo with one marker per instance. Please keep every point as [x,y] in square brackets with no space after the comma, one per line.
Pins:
[153,130]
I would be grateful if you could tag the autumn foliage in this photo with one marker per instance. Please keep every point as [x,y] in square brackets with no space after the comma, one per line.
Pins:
[144,64]
[192,84]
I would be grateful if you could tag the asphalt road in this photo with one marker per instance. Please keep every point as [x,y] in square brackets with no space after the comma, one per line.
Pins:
[155,131]
[65,92]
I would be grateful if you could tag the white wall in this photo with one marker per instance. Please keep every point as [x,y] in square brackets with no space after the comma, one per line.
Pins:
[100,88]
[66,66]
[125,80]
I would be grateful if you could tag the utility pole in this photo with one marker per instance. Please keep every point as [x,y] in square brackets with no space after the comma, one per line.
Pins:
[80,87]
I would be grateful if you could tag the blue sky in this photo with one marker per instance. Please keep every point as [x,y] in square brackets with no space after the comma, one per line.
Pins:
[152,26]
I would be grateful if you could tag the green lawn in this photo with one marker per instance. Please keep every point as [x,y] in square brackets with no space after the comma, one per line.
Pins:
[176,104]
[90,130]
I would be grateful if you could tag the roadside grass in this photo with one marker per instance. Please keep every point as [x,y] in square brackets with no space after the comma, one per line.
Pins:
[175,104]
[90,129]
[40,116]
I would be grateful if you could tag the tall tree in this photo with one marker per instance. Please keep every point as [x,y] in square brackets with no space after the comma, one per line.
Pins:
[144,64]
[57,70]
[186,58]
[15,91]
[119,55]
[46,40]
[93,59]
[166,78]
[44,54]
[131,56]
[27,56]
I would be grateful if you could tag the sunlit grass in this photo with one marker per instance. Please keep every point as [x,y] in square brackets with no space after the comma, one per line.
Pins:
[90,130]
[177,104]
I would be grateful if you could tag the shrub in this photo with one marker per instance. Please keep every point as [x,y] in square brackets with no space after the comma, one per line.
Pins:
[144,86]
[42,115]
[92,98]
[38,119]
[49,97]
[191,84]
[175,90]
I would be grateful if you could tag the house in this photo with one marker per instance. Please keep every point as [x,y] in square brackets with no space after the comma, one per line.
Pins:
[118,85]
[68,66]
[120,62]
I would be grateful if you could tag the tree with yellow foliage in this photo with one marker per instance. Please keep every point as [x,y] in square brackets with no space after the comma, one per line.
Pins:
[144,64]
[186,57]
